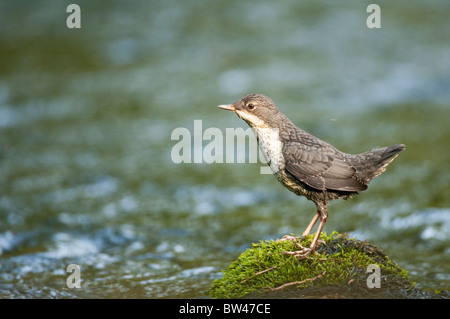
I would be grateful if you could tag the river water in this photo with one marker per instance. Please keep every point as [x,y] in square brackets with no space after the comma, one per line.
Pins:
[87,174]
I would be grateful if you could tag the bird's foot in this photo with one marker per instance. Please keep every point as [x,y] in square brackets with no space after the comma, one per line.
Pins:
[300,254]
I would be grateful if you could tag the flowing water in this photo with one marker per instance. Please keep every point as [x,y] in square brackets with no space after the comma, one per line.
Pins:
[87,175]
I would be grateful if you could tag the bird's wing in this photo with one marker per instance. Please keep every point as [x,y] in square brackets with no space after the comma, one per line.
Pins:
[320,170]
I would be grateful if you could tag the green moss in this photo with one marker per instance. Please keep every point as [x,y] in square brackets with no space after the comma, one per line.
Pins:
[339,269]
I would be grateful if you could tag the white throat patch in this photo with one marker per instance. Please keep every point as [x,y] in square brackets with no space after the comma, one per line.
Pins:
[270,146]
[268,140]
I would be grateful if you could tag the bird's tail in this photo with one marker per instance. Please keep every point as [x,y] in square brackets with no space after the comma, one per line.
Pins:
[374,162]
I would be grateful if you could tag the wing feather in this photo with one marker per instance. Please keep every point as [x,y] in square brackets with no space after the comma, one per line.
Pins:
[320,170]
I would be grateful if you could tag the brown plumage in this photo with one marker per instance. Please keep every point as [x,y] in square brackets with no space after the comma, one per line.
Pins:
[305,164]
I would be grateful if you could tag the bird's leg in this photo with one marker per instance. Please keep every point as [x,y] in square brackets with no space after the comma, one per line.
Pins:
[311,224]
[305,233]
[322,213]
[323,220]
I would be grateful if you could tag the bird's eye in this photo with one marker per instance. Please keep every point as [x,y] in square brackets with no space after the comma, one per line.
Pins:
[251,106]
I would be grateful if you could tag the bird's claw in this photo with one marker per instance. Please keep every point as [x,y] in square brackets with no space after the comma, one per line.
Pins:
[300,254]
[303,252]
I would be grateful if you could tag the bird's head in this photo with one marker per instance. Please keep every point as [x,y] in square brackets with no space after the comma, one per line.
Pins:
[256,109]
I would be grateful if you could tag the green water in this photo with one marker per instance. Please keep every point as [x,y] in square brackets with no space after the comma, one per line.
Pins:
[86,116]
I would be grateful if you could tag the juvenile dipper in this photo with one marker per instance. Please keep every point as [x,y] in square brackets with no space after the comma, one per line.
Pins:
[305,164]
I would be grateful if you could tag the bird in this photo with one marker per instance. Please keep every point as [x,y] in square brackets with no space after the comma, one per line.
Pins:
[307,165]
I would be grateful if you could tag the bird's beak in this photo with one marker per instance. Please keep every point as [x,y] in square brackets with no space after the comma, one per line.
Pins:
[228,107]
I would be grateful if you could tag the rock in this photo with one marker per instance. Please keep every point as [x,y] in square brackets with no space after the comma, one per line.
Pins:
[343,267]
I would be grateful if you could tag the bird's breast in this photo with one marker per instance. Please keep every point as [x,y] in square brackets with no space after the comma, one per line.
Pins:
[271,147]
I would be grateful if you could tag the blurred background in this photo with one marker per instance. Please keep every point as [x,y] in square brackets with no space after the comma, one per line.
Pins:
[86,117]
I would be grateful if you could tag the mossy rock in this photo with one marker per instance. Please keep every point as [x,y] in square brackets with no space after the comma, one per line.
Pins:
[339,269]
